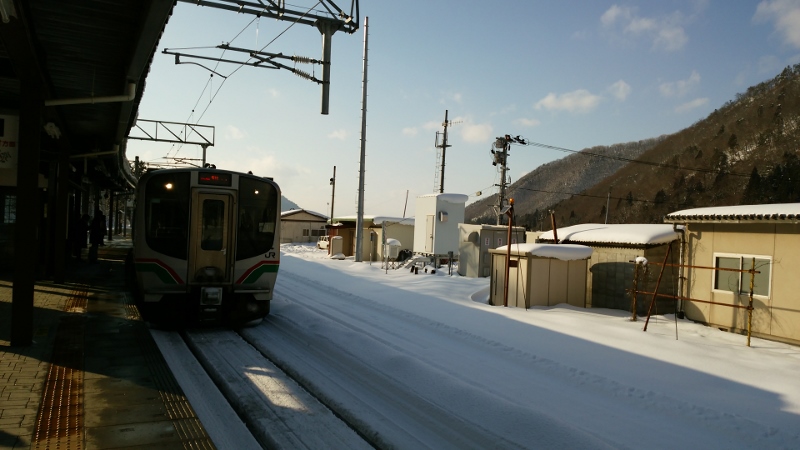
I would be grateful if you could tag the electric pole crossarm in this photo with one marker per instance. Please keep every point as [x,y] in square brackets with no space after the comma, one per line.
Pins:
[167,51]
[275,10]
[267,56]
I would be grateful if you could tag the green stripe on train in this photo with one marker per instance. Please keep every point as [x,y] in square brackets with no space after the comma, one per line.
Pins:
[158,270]
[261,270]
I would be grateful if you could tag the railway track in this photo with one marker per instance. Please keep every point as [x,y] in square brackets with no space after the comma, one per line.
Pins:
[244,400]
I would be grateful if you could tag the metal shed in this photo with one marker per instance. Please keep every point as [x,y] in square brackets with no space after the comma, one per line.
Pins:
[540,275]
[474,244]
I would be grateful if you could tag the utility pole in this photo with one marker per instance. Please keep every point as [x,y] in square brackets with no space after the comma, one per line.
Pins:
[443,146]
[503,145]
[360,213]
[501,157]
[444,151]
[333,193]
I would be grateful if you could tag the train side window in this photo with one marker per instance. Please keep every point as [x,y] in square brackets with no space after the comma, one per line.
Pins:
[257,217]
[167,214]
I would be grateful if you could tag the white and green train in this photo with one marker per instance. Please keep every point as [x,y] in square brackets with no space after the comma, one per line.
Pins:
[205,246]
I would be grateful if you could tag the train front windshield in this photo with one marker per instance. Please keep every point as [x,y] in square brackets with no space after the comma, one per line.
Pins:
[167,213]
[258,214]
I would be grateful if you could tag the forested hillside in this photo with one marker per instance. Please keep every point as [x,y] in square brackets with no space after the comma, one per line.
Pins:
[554,181]
[745,152]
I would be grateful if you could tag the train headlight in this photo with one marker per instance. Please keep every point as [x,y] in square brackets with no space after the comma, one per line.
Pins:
[211,296]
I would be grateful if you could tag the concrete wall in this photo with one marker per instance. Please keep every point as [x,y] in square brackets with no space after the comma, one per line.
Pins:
[775,316]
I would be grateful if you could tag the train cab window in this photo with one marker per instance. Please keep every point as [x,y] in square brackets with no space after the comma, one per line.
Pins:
[213,226]
[257,217]
[167,214]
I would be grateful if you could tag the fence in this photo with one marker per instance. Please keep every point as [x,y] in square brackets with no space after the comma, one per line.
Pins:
[655,294]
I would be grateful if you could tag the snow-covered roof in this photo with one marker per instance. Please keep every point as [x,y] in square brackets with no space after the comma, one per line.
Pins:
[776,212]
[378,220]
[597,233]
[564,252]
[298,211]
[449,198]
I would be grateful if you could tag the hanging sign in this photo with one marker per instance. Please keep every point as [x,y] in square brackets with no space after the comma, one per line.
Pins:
[9,132]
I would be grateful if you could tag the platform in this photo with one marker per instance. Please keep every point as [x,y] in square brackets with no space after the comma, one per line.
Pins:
[93,378]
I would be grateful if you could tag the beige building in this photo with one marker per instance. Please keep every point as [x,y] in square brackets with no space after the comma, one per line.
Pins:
[733,237]
[401,229]
[539,275]
[611,270]
[300,225]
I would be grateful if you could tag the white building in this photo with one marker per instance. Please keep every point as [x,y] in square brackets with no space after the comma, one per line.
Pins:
[437,218]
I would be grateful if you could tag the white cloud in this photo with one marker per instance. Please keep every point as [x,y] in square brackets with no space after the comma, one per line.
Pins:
[410,131]
[681,87]
[271,166]
[432,125]
[694,104]
[451,97]
[667,33]
[615,12]
[274,93]
[620,90]
[578,102]
[786,15]
[338,134]
[671,38]
[234,133]
[527,122]
[476,133]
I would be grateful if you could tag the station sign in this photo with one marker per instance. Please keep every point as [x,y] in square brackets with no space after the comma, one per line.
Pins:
[9,138]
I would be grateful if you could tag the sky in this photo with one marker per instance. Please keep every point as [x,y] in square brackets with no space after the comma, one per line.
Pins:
[422,361]
[570,74]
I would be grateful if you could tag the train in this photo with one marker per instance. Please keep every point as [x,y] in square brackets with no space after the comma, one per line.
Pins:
[206,246]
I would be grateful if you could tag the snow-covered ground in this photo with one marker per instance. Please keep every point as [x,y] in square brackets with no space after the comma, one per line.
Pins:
[421,361]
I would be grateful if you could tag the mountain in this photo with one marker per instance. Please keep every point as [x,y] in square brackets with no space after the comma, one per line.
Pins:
[745,152]
[287,204]
[556,180]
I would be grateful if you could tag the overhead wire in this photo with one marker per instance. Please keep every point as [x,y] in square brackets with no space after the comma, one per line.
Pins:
[242,64]
[631,160]
[595,196]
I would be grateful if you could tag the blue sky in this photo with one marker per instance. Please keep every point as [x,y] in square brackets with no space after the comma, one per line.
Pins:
[571,74]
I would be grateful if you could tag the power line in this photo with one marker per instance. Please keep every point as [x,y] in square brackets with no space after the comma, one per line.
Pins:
[604,197]
[629,160]
[242,64]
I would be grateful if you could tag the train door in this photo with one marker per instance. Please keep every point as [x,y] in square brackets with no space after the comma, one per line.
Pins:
[210,247]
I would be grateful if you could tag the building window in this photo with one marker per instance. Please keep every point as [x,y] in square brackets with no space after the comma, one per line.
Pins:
[9,208]
[314,233]
[740,281]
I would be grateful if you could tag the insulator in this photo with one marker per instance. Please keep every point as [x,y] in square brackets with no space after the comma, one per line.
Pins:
[302,74]
[303,59]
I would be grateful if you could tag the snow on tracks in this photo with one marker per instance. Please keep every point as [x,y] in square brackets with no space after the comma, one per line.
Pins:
[279,412]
